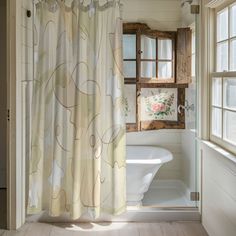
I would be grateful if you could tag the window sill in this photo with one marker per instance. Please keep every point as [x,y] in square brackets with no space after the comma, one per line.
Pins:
[223,152]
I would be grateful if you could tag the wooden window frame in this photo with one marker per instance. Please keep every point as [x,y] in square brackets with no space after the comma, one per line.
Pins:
[139,29]
[158,35]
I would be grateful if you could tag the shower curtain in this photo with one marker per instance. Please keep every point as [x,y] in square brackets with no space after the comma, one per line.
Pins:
[77,161]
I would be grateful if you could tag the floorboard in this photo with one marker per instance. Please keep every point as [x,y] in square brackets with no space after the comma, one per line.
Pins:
[110,229]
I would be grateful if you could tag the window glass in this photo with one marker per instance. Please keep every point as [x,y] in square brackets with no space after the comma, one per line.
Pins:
[129,69]
[148,48]
[129,46]
[164,49]
[216,121]
[222,25]
[233,54]
[222,56]
[164,70]
[148,69]
[217,92]
[230,93]
[230,126]
[233,20]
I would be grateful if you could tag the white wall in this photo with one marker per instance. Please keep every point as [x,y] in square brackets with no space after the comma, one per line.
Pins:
[158,14]
[218,191]
[189,156]
[3,95]
[169,139]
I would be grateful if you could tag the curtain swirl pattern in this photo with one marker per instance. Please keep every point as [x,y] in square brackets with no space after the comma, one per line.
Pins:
[77,161]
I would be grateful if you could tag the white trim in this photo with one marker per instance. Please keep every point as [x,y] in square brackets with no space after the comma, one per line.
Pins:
[206,66]
[15,163]
[224,144]
[223,74]
[133,214]
[217,3]
[220,150]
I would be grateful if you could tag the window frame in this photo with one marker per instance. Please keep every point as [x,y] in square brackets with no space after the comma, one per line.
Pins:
[139,29]
[221,141]
[158,35]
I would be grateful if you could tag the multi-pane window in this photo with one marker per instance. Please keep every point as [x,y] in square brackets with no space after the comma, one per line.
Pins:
[226,39]
[157,58]
[223,80]
[153,91]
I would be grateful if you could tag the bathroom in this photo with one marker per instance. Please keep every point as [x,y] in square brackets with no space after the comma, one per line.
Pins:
[173,180]
[137,146]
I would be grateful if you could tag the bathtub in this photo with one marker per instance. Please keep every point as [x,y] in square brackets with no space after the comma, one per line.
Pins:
[142,164]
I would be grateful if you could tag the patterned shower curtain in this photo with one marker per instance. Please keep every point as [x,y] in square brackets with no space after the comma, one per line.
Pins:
[77,161]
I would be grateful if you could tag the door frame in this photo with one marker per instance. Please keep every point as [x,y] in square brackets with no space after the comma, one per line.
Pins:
[15,159]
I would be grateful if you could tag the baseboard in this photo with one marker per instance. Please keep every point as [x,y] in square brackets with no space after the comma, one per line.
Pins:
[132,215]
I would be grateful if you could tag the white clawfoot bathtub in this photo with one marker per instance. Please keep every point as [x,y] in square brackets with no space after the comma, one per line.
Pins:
[142,164]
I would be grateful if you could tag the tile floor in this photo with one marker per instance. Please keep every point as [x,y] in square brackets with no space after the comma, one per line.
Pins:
[168,197]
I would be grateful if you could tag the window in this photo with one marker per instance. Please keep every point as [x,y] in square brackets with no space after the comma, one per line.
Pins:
[157,57]
[223,80]
[153,91]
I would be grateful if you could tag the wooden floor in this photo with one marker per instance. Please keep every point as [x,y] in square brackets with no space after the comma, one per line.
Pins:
[109,229]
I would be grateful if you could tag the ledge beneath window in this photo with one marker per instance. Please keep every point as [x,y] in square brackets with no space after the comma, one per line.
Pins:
[220,150]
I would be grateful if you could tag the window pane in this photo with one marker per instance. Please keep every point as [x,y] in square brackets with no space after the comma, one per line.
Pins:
[233,54]
[217,92]
[129,69]
[222,56]
[222,25]
[230,126]
[216,121]
[230,93]
[164,49]
[148,47]
[148,69]
[233,21]
[129,46]
[164,70]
